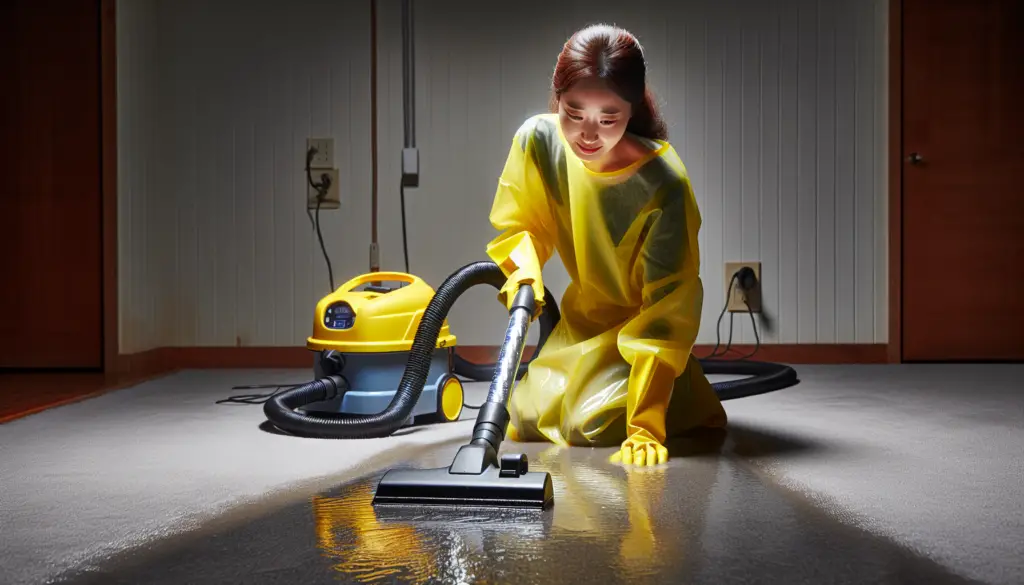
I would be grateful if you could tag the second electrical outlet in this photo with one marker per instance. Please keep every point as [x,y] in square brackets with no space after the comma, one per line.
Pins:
[737,296]
[321,164]
[331,199]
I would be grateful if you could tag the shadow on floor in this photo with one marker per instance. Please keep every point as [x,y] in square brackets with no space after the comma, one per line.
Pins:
[705,517]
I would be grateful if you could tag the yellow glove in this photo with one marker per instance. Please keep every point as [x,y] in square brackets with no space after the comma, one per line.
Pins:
[518,278]
[519,258]
[649,392]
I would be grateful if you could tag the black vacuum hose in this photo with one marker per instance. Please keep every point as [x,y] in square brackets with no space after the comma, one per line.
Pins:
[280,409]
[763,376]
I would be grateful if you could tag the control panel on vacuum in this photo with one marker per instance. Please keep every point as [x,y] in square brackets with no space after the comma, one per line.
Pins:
[339,316]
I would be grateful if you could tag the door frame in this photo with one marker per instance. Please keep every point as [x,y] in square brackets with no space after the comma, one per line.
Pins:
[108,180]
[895,169]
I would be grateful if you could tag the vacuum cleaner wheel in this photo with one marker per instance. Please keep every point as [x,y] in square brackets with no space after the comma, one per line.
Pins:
[450,398]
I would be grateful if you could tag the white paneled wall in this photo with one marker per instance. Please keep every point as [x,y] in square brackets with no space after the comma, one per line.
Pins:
[777,108]
[228,254]
[143,236]
[248,82]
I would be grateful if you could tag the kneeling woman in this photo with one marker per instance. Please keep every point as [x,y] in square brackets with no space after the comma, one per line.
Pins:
[597,181]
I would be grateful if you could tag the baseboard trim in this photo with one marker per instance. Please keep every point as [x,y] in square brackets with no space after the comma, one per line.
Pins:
[168,359]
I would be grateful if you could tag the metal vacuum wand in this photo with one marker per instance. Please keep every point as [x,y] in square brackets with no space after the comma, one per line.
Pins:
[476,476]
[511,354]
[493,418]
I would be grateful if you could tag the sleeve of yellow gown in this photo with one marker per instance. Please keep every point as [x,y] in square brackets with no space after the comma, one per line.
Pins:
[657,341]
[520,213]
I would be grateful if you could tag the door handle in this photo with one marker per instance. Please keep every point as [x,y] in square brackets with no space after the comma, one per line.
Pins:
[915,158]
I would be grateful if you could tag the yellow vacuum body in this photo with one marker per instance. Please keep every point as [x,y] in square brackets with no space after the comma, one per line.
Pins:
[364,331]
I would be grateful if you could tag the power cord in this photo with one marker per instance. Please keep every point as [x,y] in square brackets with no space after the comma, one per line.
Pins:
[250,399]
[757,337]
[718,326]
[332,361]
[748,280]
[256,398]
[405,239]
[472,406]
[321,192]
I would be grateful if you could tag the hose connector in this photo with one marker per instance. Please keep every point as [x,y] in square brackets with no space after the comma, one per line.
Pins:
[524,299]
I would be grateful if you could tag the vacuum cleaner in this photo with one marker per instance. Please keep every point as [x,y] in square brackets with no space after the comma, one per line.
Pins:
[385,356]
[370,354]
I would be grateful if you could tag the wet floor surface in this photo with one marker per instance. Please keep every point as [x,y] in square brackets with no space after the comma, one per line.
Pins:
[708,516]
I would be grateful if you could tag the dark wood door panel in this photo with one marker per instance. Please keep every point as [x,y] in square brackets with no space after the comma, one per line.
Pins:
[963,204]
[50,198]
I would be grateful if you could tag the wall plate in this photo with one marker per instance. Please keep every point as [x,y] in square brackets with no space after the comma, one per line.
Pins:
[734,302]
[324,157]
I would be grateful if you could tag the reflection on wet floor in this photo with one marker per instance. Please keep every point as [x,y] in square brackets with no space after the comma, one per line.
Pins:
[703,518]
[417,543]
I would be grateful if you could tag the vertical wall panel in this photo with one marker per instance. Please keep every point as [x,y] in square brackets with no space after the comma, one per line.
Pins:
[807,170]
[789,289]
[868,160]
[825,171]
[750,201]
[777,109]
[769,176]
[141,234]
[879,187]
[845,169]
[713,80]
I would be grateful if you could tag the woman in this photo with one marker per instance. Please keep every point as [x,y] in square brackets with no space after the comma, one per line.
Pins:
[597,182]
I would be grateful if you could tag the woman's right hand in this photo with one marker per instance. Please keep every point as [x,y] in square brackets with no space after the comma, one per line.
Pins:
[519,277]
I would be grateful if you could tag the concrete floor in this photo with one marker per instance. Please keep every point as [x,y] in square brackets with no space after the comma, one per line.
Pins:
[880,474]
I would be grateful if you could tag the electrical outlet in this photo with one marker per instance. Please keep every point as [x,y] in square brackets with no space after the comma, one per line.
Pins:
[331,200]
[735,303]
[324,157]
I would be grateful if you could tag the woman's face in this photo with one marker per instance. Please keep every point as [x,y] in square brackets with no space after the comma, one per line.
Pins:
[593,119]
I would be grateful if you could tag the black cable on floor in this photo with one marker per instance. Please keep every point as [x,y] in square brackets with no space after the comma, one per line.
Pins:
[256,398]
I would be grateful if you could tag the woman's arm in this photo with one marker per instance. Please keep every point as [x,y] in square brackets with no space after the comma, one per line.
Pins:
[520,213]
[657,341]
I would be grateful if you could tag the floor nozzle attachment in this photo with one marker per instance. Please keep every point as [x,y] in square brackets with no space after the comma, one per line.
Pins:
[476,477]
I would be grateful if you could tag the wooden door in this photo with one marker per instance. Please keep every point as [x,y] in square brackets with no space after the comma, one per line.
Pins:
[963,180]
[50,198]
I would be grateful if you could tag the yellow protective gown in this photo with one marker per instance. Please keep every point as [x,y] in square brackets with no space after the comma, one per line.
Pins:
[618,368]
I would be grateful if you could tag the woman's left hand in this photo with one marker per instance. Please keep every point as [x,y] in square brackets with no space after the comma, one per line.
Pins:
[641,450]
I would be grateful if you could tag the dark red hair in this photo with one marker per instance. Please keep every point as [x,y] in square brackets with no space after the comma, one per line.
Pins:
[615,56]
